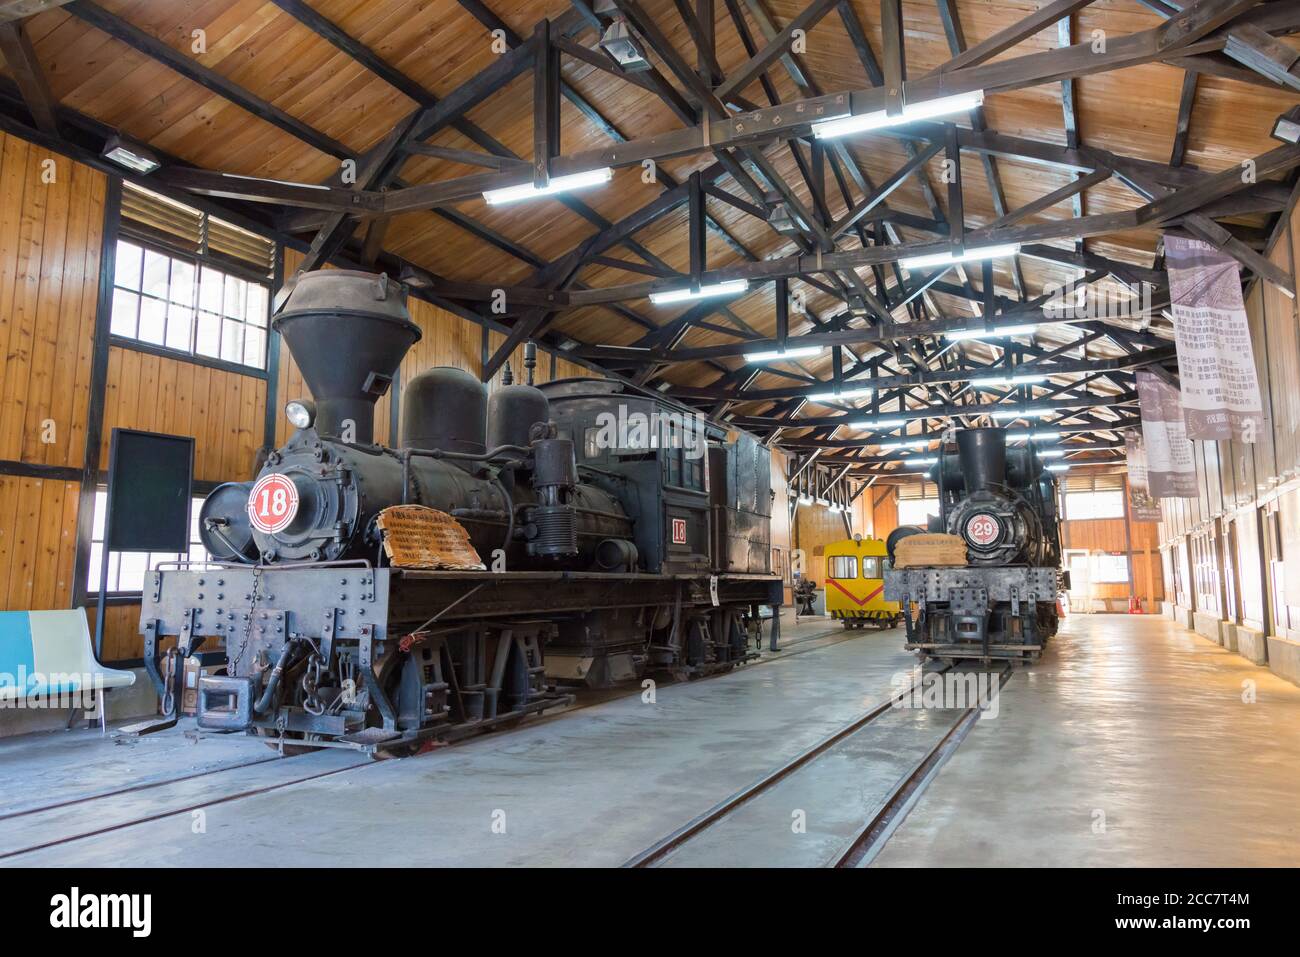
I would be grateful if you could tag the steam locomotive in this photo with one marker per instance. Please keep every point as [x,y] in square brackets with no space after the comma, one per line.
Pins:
[1002,604]
[619,535]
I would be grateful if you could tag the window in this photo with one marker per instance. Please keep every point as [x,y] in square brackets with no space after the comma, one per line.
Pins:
[1103,504]
[683,456]
[190,283]
[871,567]
[1110,569]
[1094,496]
[126,570]
[842,566]
[916,511]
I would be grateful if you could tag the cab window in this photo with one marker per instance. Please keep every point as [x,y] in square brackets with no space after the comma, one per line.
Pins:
[842,566]
[870,567]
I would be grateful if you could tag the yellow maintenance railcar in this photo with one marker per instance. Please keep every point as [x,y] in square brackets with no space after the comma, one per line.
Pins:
[855,584]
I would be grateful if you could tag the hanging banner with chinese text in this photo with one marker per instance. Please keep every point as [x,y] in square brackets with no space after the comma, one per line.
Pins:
[1171,472]
[1216,365]
[1142,505]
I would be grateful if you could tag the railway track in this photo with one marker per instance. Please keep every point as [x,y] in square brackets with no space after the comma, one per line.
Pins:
[71,819]
[871,837]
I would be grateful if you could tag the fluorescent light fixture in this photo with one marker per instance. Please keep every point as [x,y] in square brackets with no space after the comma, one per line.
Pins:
[1008,380]
[776,355]
[133,156]
[1287,127]
[878,423]
[1038,412]
[1036,434]
[805,499]
[1058,467]
[1051,453]
[924,110]
[840,396]
[835,507]
[950,258]
[906,444]
[925,460]
[960,334]
[558,184]
[704,292]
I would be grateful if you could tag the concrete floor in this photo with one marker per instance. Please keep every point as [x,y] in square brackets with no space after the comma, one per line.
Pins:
[1130,718]
[1130,744]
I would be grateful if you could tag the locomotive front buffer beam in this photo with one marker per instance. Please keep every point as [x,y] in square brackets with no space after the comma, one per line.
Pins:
[968,611]
[248,617]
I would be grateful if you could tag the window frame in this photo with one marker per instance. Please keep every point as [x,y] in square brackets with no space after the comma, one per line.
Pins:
[98,528]
[851,562]
[1072,501]
[199,261]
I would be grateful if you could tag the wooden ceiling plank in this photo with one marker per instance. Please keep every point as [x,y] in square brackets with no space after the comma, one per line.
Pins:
[196,72]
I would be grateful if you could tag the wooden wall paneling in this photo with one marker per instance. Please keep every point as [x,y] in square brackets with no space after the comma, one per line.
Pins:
[884,509]
[21,308]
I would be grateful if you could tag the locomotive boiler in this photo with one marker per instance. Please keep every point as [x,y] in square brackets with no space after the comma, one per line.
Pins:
[608,552]
[1002,604]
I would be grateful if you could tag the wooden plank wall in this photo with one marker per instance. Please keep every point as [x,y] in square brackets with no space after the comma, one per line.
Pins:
[1107,535]
[51,223]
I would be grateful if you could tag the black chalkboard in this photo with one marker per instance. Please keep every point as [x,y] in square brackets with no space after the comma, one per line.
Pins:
[150,478]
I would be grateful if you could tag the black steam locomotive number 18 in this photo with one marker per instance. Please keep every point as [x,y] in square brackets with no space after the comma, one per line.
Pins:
[621,536]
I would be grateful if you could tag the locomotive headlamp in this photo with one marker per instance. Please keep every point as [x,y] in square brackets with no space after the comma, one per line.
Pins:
[301,413]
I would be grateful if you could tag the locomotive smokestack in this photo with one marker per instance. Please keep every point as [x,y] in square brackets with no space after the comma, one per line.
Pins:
[983,455]
[348,332]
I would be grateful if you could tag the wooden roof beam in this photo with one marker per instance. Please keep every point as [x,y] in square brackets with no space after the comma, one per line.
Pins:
[21,60]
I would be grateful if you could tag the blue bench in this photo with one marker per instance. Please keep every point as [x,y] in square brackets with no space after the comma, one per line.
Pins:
[49,655]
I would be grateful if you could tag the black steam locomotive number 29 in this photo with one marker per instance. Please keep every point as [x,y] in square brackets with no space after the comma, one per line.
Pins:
[1002,604]
[621,536]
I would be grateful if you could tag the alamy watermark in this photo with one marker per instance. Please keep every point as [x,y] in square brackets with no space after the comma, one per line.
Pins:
[629,431]
[951,690]
[56,690]
[1073,300]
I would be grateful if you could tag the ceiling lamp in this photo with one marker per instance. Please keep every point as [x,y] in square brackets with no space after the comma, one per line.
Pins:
[557,184]
[623,48]
[996,380]
[704,292]
[776,355]
[840,396]
[951,257]
[923,110]
[878,423]
[958,335]
[1287,127]
[1037,412]
[131,155]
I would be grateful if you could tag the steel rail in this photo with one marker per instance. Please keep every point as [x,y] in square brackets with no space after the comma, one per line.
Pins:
[872,838]
[662,848]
